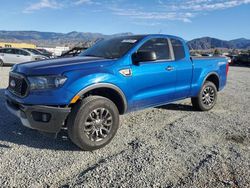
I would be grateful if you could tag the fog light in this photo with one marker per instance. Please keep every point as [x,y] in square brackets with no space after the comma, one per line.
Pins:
[40,116]
[45,117]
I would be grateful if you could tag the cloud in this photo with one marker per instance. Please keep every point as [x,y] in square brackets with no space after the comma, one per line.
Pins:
[175,10]
[154,11]
[208,5]
[143,15]
[150,24]
[80,2]
[42,4]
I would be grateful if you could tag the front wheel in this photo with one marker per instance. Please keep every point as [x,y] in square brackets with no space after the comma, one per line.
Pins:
[207,97]
[93,123]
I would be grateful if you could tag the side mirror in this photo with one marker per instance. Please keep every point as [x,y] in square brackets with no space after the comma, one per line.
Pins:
[143,56]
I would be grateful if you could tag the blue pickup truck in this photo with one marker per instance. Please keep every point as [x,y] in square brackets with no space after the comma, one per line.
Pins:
[87,93]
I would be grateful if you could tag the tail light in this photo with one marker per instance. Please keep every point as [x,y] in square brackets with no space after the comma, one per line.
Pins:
[227,68]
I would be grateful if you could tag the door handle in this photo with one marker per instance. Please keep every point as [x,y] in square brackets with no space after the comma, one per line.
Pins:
[170,68]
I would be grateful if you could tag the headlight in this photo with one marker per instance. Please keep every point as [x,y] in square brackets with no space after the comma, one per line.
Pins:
[46,82]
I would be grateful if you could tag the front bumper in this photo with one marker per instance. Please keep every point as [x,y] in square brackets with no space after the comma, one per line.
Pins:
[43,118]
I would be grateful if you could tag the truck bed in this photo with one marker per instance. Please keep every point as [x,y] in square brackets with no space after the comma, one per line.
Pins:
[206,57]
[202,65]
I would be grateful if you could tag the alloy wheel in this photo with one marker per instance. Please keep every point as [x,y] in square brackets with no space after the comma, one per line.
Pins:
[208,96]
[98,124]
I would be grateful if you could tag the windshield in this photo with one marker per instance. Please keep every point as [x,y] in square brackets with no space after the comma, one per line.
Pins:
[112,48]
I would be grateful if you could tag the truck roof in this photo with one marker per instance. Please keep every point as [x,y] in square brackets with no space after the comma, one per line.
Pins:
[158,35]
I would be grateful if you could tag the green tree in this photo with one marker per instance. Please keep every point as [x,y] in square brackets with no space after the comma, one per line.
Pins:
[216,52]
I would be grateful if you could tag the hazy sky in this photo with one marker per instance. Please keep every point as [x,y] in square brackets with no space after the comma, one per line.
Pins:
[225,19]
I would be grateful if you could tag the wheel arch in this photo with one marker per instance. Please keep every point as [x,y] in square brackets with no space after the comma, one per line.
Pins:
[110,91]
[214,78]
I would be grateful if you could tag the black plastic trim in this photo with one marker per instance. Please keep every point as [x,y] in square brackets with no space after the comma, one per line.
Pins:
[105,85]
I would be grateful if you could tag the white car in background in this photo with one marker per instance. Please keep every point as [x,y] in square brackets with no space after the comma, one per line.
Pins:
[16,55]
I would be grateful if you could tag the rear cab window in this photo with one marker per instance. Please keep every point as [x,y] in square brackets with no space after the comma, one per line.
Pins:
[178,48]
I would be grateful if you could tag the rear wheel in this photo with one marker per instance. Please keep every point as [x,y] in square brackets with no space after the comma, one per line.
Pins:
[93,123]
[207,97]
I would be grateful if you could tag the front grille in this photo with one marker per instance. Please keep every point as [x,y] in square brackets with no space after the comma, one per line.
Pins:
[18,84]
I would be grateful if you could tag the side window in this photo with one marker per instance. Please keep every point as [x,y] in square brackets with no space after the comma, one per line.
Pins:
[21,52]
[178,49]
[8,51]
[18,52]
[159,46]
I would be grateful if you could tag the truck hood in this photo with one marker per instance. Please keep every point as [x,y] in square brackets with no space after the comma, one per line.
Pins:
[59,66]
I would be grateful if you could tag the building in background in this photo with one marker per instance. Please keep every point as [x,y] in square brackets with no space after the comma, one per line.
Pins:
[16,45]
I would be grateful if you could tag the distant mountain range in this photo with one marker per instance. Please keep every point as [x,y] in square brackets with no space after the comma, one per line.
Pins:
[37,35]
[74,38]
[53,39]
[208,43]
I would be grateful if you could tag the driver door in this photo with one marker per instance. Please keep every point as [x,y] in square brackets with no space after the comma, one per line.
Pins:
[153,82]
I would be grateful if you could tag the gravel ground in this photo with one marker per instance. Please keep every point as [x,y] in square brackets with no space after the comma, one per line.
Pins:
[169,146]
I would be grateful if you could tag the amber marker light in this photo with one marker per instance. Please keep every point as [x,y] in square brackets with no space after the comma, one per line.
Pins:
[75,99]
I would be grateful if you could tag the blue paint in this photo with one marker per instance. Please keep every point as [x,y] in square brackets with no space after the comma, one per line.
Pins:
[150,84]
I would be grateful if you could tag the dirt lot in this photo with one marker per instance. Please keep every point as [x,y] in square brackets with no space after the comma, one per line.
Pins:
[169,146]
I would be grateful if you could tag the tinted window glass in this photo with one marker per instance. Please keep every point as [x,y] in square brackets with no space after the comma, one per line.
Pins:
[34,51]
[159,46]
[178,48]
[21,52]
[9,51]
[112,48]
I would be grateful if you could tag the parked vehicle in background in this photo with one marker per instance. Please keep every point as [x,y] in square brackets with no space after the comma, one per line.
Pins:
[243,59]
[233,59]
[207,55]
[73,52]
[87,93]
[34,51]
[229,60]
[194,54]
[16,55]
[45,53]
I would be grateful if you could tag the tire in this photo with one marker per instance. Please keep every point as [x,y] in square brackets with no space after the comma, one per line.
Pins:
[93,123]
[1,63]
[207,97]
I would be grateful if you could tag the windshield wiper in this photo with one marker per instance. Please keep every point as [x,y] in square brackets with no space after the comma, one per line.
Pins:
[89,55]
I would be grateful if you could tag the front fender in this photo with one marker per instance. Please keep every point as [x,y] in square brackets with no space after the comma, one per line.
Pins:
[83,84]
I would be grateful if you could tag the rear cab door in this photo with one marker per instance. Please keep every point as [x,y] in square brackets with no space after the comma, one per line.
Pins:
[183,67]
[153,82]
